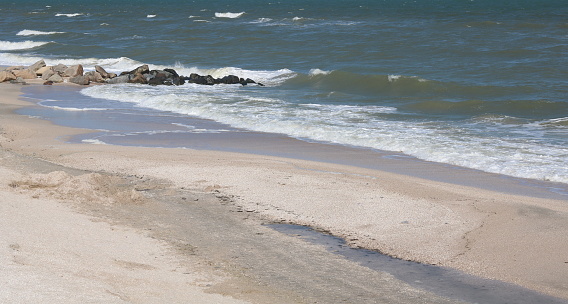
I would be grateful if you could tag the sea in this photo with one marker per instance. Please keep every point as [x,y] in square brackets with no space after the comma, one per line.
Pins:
[471,83]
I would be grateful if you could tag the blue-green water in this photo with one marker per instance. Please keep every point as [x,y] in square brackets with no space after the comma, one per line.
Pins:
[479,84]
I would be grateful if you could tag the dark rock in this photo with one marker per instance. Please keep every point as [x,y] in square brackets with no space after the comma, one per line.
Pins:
[173,72]
[48,82]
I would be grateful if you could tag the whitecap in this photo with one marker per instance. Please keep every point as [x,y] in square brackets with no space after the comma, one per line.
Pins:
[23,45]
[150,16]
[314,72]
[33,33]
[229,15]
[69,15]
[262,20]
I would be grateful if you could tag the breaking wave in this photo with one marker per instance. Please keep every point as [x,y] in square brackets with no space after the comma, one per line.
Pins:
[34,33]
[23,45]
[229,15]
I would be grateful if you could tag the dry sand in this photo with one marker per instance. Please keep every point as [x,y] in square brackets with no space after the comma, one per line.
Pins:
[516,239]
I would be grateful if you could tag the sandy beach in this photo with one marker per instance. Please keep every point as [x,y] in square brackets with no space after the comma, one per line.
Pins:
[101,223]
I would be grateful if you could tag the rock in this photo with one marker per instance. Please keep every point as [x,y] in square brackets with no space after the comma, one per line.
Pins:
[12,68]
[230,79]
[42,70]
[102,71]
[112,75]
[6,76]
[164,77]
[198,79]
[143,69]
[25,74]
[94,76]
[38,65]
[138,78]
[55,78]
[119,79]
[48,73]
[48,83]
[19,80]
[81,80]
[72,71]
[60,68]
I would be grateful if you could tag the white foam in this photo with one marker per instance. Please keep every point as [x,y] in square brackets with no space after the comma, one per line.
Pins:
[358,125]
[69,15]
[150,16]
[229,15]
[70,109]
[33,33]
[93,142]
[262,20]
[22,45]
[314,72]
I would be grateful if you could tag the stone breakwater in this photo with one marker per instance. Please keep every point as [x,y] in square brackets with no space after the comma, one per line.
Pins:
[142,74]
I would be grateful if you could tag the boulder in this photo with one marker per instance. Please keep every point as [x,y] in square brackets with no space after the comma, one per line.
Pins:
[48,83]
[164,77]
[48,73]
[25,74]
[80,79]
[72,71]
[102,71]
[42,70]
[55,78]
[60,68]
[94,76]
[138,78]
[6,76]
[198,79]
[38,65]
[19,80]
[143,69]
[12,68]
[119,79]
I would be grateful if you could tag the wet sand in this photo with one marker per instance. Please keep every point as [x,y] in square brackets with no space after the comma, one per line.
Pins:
[513,238]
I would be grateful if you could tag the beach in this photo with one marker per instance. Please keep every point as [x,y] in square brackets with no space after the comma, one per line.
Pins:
[87,199]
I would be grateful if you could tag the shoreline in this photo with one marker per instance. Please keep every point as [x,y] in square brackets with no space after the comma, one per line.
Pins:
[517,239]
[228,139]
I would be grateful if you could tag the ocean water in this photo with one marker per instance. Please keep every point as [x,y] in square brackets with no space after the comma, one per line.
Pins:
[479,84]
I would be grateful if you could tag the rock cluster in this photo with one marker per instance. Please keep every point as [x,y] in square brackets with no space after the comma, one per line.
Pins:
[142,74]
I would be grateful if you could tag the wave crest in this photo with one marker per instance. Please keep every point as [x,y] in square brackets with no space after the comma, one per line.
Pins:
[23,45]
[34,33]
[229,15]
